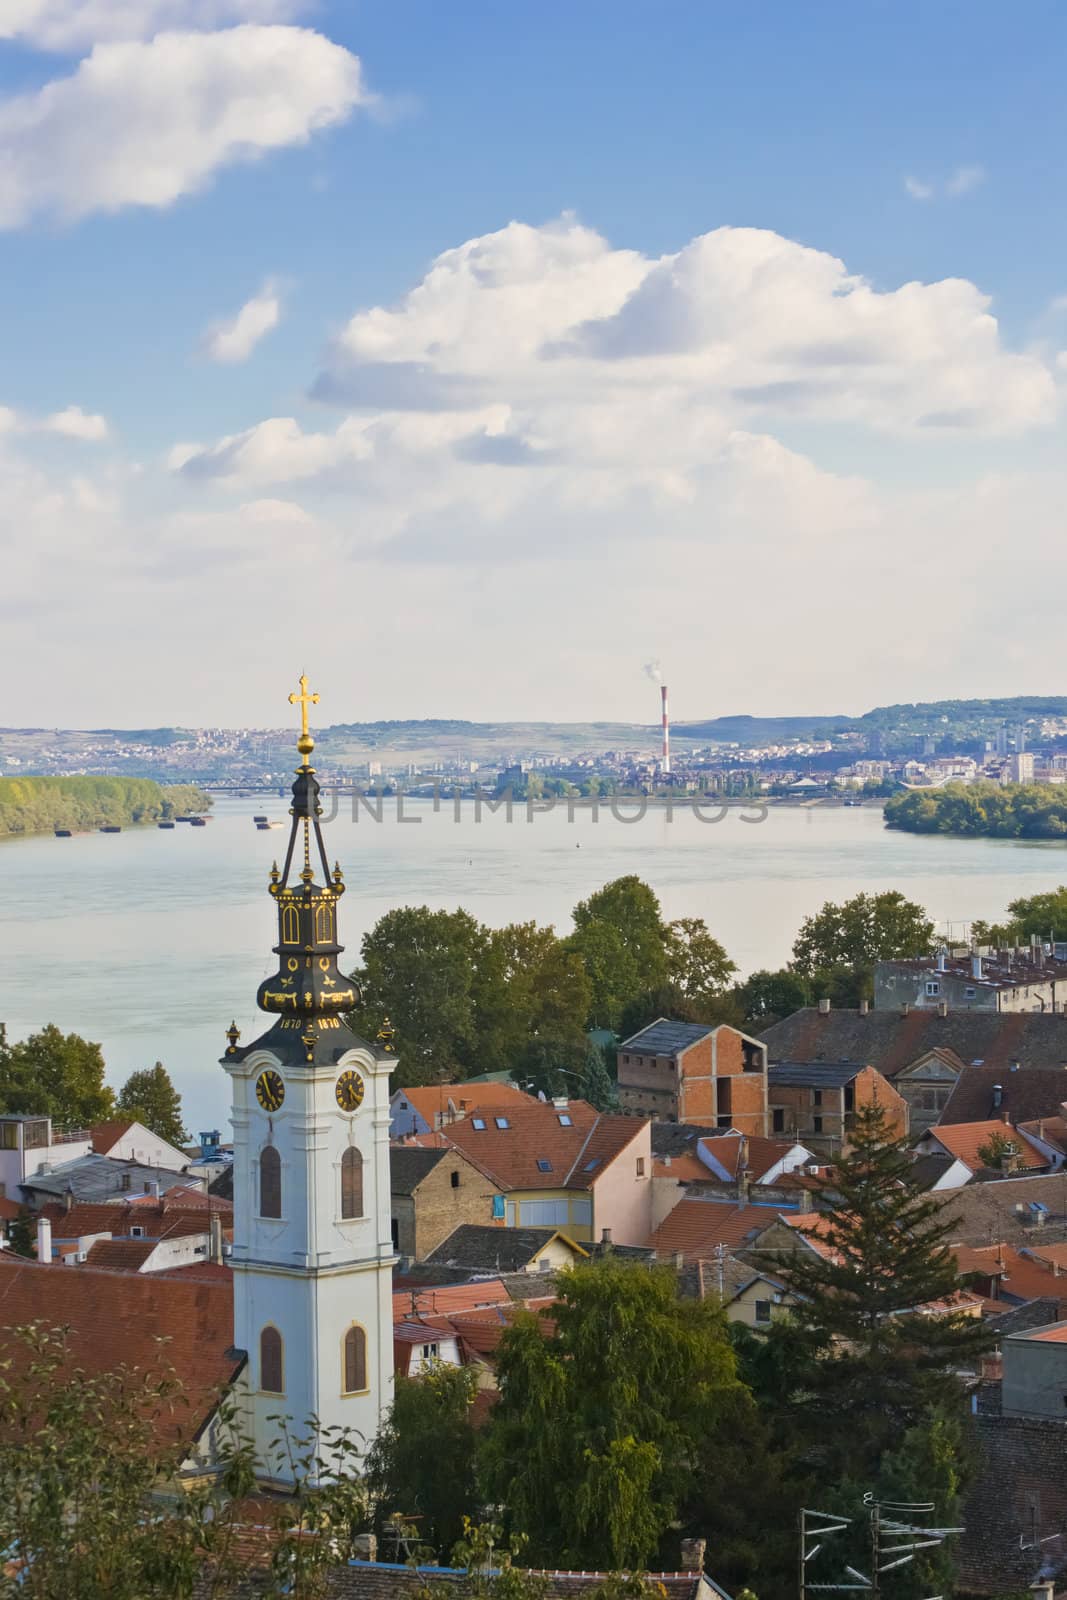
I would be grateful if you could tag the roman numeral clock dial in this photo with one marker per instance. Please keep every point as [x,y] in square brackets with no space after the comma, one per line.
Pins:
[270,1091]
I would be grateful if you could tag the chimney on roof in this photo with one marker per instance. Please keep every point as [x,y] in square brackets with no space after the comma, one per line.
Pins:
[942,959]
[605,1238]
[976,964]
[156,1190]
[215,1234]
[68,1198]
[905,1008]
[693,1554]
[44,1239]
[865,1006]
[1013,1064]
[998,1095]
[666,1160]
[942,1008]
[824,1007]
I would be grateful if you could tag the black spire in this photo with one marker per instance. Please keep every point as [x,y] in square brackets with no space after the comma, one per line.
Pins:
[308,991]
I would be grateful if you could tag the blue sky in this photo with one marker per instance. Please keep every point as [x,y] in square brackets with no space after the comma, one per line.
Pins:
[587,440]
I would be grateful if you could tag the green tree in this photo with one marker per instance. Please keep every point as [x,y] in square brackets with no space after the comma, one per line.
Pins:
[419,970]
[621,937]
[531,998]
[841,943]
[20,1240]
[697,964]
[993,1152]
[604,1428]
[1043,915]
[876,1361]
[931,1465]
[612,969]
[598,1084]
[422,1462]
[57,1075]
[767,997]
[150,1097]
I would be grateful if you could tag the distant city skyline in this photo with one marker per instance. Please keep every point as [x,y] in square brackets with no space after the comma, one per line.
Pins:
[466,357]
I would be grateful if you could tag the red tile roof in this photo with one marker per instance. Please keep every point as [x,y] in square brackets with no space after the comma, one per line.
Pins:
[762,1153]
[577,1149]
[1019,1276]
[431,1101]
[963,1139]
[120,1317]
[1056,1335]
[120,1255]
[444,1299]
[696,1227]
[106,1135]
[158,1220]
[9,1209]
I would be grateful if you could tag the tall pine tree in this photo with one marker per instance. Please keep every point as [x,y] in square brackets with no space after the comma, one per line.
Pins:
[876,1307]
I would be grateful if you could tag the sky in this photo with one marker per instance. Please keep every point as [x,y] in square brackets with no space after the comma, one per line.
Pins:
[467,354]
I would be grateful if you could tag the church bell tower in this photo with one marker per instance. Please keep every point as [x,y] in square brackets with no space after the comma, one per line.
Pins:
[312,1245]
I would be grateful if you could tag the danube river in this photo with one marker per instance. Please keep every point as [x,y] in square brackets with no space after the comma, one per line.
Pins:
[150,941]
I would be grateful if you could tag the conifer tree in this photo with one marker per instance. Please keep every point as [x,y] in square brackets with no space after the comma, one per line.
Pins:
[879,1354]
[151,1098]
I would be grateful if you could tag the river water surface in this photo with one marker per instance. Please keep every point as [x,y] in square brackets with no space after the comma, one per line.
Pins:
[150,941]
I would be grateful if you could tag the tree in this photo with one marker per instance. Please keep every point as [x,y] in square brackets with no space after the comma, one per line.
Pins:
[151,1098]
[931,1465]
[1042,914]
[876,1359]
[419,970]
[531,999]
[697,964]
[767,997]
[57,1075]
[604,1428]
[422,1462]
[845,941]
[995,1149]
[620,934]
[20,1240]
[598,1084]
[612,969]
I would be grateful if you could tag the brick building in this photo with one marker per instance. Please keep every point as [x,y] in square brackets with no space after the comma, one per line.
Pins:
[814,1101]
[432,1193]
[692,1072]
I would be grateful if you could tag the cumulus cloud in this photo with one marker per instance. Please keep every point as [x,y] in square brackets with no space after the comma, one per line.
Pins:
[962,181]
[79,24]
[74,423]
[143,123]
[234,340]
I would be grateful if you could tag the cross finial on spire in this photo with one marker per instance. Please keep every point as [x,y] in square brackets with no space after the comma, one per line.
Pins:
[305,744]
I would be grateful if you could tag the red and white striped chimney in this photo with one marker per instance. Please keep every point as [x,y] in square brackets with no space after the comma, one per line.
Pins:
[665,764]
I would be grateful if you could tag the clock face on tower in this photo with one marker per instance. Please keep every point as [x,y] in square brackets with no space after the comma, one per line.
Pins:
[349,1091]
[270,1091]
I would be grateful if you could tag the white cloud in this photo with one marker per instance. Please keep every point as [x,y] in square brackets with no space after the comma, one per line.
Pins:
[962,181]
[74,423]
[79,24]
[235,339]
[145,123]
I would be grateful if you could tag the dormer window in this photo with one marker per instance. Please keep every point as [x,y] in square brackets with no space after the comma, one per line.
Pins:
[932,987]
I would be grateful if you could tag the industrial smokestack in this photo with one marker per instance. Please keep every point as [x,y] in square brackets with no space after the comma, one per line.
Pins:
[666,761]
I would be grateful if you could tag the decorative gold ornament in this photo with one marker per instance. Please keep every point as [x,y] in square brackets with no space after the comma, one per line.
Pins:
[305,744]
[385,1035]
[270,1090]
[349,1091]
[233,1033]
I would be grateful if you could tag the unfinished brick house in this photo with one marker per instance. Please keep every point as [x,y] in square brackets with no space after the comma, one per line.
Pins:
[693,1072]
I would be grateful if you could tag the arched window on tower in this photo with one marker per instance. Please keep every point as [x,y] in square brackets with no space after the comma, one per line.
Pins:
[290,925]
[355,1360]
[324,923]
[351,1183]
[271,1366]
[270,1182]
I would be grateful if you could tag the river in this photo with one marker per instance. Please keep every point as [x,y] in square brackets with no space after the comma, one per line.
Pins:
[150,941]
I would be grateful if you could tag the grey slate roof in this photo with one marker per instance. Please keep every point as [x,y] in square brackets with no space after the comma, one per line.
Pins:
[475,1246]
[1027,1094]
[986,1213]
[94,1177]
[1031,1314]
[926,1170]
[813,1074]
[408,1165]
[889,1040]
[680,1138]
[1016,1511]
[666,1038]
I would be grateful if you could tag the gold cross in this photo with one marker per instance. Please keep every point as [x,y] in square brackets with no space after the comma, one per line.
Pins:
[304,700]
